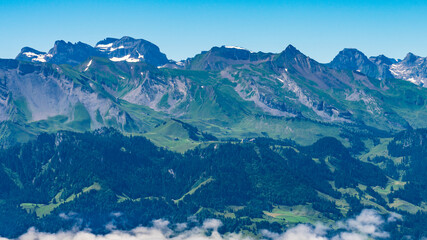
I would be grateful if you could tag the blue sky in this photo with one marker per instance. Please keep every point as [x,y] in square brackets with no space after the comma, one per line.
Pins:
[182,29]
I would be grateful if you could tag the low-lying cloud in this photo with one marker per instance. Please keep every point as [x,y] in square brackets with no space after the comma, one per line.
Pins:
[367,225]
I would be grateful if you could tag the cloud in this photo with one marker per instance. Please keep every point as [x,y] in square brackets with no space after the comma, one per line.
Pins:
[159,231]
[213,224]
[139,233]
[110,226]
[350,236]
[73,217]
[69,216]
[116,214]
[179,227]
[302,232]
[367,225]
[393,217]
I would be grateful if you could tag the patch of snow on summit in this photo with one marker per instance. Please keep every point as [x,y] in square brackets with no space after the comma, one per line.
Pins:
[38,57]
[235,47]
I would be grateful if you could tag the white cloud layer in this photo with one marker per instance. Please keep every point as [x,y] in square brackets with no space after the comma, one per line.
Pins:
[367,225]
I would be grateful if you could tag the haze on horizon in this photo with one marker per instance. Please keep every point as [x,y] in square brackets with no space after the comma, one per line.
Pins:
[319,29]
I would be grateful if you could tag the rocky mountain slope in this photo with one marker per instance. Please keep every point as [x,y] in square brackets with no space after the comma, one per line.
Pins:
[412,68]
[227,91]
[124,49]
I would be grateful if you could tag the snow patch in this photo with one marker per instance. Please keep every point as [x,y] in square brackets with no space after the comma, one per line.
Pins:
[414,73]
[88,65]
[104,47]
[235,47]
[108,47]
[132,60]
[140,55]
[31,54]
[37,57]
[114,49]
[126,58]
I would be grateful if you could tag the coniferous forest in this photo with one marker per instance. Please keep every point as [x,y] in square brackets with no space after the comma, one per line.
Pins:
[58,178]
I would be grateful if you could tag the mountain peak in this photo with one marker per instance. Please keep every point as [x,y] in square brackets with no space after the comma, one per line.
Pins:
[350,50]
[290,49]
[410,58]
[351,53]
[29,49]
[131,50]
[291,60]
[290,46]
[230,52]
[106,41]
[72,53]
[60,42]
[219,58]
[31,55]
[350,59]
[290,54]
[355,60]
[412,68]
[124,49]
[127,38]
[235,47]
[381,59]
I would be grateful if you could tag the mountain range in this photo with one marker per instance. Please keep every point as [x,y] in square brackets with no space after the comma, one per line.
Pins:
[118,135]
[228,91]
[412,68]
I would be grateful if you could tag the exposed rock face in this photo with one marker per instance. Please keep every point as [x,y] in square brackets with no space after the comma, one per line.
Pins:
[124,49]
[34,92]
[355,60]
[129,84]
[73,54]
[412,68]
[31,55]
[218,58]
[132,50]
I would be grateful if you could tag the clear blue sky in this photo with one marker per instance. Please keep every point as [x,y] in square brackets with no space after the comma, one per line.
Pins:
[182,29]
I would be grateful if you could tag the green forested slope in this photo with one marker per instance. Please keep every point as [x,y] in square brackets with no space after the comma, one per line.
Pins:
[257,184]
